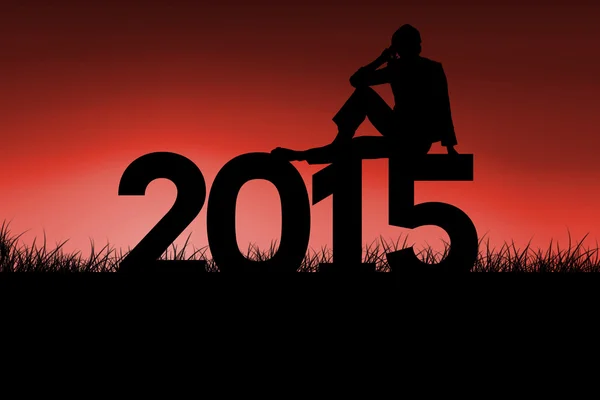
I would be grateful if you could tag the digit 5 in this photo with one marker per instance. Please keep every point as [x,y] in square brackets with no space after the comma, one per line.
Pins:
[464,244]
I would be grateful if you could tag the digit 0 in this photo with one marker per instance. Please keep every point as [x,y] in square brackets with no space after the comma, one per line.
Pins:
[295,218]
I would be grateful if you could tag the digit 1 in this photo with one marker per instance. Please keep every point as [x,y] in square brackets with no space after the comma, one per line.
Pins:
[343,181]
[403,212]
[295,218]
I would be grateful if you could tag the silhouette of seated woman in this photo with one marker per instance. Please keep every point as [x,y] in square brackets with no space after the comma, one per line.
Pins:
[421,115]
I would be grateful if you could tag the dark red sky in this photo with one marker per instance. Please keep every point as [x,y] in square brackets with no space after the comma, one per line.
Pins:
[87,87]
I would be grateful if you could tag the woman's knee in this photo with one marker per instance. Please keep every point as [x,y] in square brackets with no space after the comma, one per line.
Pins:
[366,95]
[365,90]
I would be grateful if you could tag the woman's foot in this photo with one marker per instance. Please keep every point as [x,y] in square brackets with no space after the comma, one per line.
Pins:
[286,154]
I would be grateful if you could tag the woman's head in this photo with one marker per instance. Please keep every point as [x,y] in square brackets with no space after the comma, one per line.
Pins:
[406,41]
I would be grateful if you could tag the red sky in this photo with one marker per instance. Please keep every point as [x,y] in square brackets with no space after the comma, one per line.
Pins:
[88,87]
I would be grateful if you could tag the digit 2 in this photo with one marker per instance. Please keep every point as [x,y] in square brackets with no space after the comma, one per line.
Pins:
[191,195]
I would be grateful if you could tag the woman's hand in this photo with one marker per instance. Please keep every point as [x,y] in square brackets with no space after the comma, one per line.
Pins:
[386,55]
[357,78]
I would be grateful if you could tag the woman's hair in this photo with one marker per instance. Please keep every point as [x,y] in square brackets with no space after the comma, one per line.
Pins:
[407,38]
[407,34]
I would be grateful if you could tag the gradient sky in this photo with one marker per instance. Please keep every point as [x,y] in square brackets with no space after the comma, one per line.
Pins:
[88,87]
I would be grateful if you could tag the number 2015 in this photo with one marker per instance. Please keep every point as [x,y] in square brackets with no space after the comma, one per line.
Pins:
[342,180]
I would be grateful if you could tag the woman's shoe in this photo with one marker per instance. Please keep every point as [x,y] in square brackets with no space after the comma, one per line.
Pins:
[285,154]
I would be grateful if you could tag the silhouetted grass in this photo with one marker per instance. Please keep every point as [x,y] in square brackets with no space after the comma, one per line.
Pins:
[15,257]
